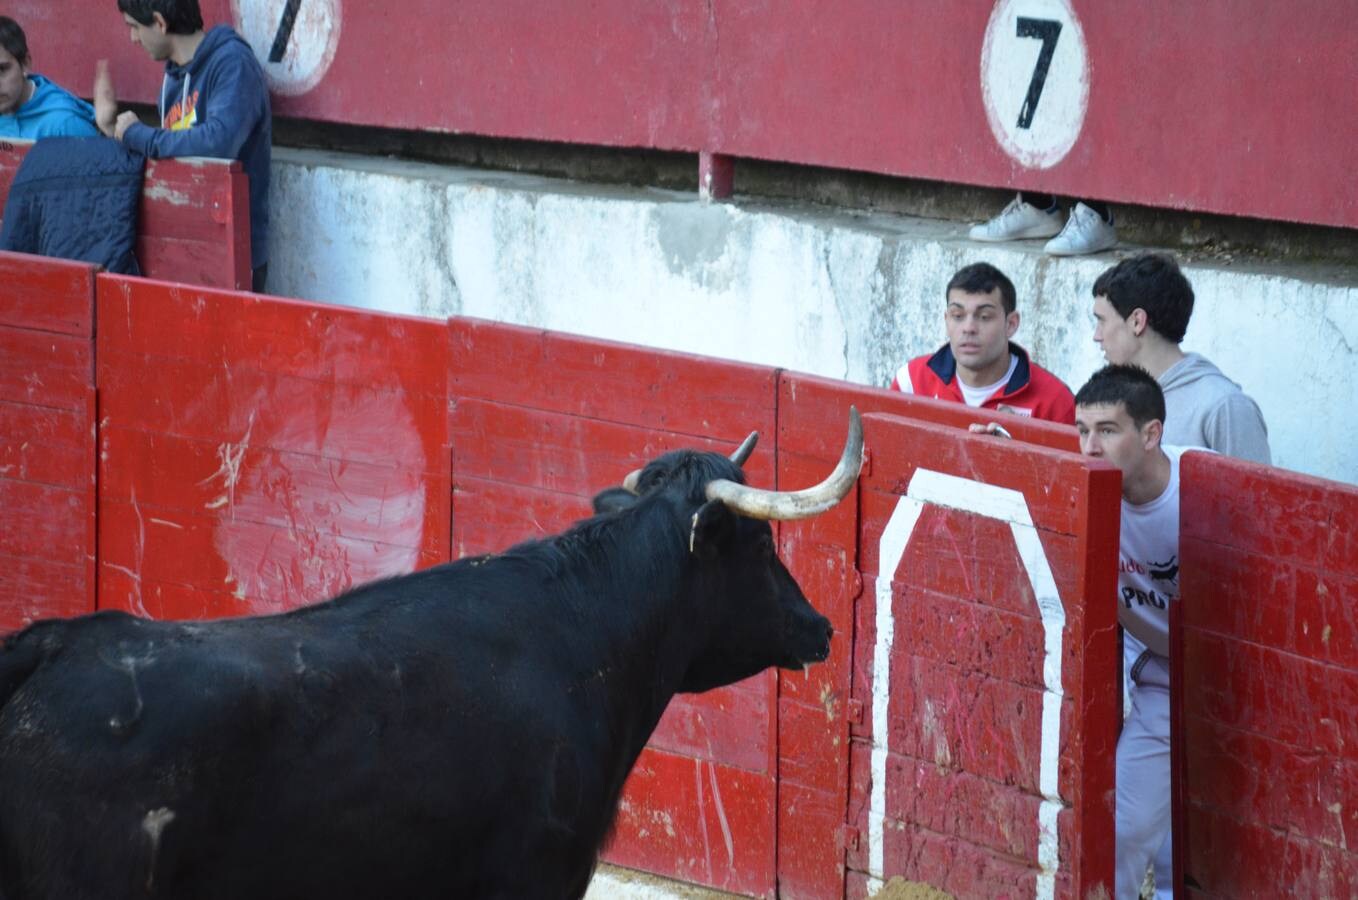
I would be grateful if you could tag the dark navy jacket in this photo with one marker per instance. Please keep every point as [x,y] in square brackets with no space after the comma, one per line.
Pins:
[218,106]
[76,198]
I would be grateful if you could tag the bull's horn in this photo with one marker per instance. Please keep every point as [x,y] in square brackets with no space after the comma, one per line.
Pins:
[741,454]
[785,505]
[744,450]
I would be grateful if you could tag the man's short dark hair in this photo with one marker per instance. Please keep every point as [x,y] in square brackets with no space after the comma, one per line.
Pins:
[181,16]
[1153,282]
[13,40]
[982,278]
[1132,386]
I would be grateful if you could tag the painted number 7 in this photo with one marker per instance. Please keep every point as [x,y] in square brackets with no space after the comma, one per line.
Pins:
[1048,31]
[280,40]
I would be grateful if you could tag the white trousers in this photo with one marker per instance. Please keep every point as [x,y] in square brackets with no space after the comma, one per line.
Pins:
[1164,858]
[1142,814]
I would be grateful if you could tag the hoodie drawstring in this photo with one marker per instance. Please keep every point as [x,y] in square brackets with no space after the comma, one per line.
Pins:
[183,97]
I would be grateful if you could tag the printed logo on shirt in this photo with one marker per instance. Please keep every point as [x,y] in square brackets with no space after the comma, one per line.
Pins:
[1135,596]
[182,116]
[1165,571]
[1127,566]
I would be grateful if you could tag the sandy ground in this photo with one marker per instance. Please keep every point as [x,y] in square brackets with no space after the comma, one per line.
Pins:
[613,883]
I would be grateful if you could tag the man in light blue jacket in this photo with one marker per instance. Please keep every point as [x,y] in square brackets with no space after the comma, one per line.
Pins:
[31,107]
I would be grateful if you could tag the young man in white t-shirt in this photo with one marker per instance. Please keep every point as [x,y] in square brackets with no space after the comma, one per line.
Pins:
[1120,415]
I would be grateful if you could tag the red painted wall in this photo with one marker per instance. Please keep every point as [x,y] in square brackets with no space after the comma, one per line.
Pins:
[539,423]
[47,425]
[1231,107]
[260,454]
[965,715]
[256,454]
[1269,708]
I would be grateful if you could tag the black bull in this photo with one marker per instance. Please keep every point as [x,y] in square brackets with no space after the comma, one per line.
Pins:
[464,731]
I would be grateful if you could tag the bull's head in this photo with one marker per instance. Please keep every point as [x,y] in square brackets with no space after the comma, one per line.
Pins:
[749,612]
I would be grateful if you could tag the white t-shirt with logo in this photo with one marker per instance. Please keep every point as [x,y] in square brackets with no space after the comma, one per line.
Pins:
[1148,562]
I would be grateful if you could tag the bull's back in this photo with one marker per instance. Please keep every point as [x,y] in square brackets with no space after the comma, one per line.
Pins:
[333,748]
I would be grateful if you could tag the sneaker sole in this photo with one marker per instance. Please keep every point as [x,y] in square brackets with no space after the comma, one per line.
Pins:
[1064,251]
[1025,235]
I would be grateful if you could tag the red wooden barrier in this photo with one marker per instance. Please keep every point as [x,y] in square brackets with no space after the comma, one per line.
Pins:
[540,422]
[258,454]
[955,92]
[984,764]
[1269,683]
[193,223]
[47,420]
[818,716]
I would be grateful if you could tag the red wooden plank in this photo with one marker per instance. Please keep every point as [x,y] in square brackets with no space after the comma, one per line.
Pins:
[272,566]
[123,590]
[192,217]
[968,655]
[46,445]
[44,294]
[988,814]
[250,408]
[810,857]
[1280,696]
[1254,778]
[36,588]
[44,368]
[489,516]
[729,726]
[302,492]
[307,341]
[567,453]
[1283,518]
[665,391]
[813,410]
[814,708]
[820,553]
[1049,480]
[1233,858]
[699,822]
[1270,680]
[44,522]
[1306,613]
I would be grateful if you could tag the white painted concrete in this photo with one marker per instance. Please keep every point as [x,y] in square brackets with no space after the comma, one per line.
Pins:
[842,295]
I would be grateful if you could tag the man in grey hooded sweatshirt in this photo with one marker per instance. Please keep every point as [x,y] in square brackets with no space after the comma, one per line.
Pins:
[1141,311]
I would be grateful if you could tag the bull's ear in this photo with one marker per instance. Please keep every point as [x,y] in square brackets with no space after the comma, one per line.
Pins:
[713,526]
[614,500]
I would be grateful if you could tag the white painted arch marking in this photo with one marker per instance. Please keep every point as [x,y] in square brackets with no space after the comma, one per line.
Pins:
[1007,505]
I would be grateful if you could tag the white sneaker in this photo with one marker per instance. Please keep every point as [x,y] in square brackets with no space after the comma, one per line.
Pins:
[1085,232]
[1018,220]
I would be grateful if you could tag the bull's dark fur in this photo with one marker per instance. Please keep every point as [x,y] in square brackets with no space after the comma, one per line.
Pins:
[460,732]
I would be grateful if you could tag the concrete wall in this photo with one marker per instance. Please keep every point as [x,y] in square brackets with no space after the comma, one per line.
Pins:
[827,292]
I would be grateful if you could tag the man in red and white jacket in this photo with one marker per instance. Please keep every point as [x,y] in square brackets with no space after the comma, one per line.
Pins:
[980,365]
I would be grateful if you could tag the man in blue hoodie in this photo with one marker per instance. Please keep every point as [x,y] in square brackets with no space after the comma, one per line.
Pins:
[213,102]
[31,107]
